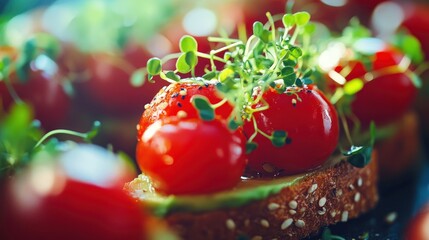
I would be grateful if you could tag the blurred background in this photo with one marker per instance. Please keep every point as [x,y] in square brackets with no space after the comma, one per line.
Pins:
[93,48]
[83,54]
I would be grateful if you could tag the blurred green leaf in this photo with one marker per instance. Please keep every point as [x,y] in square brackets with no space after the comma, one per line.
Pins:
[188,44]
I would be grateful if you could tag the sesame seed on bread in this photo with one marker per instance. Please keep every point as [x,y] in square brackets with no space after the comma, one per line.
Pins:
[324,197]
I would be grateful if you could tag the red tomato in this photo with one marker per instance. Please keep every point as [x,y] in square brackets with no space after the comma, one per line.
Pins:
[95,165]
[108,88]
[417,22]
[418,227]
[312,132]
[42,90]
[44,204]
[191,156]
[384,98]
[175,100]
[335,15]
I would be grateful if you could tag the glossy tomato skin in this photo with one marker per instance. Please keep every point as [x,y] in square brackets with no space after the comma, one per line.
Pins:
[191,156]
[417,23]
[386,98]
[72,210]
[418,227]
[175,100]
[42,90]
[312,133]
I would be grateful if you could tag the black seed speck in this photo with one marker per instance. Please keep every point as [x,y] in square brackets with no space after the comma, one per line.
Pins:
[200,87]
[183,97]
[288,140]
[174,95]
[206,84]
[179,104]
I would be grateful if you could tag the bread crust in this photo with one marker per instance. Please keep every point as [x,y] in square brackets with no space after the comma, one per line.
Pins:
[325,197]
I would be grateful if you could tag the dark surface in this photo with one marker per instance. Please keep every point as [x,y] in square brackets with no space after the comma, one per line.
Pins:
[404,199]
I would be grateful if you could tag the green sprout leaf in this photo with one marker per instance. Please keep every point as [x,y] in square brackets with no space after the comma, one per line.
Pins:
[93,132]
[258,29]
[191,59]
[310,28]
[288,20]
[327,235]
[306,81]
[188,44]
[289,80]
[225,74]
[154,66]
[301,18]
[186,62]
[411,46]
[299,83]
[171,75]
[372,132]
[295,52]
[353,86]
[260,32]
[359,156]
[289,63]
[204,108]
[138,77]
[233,124]
[250,147]
[209,75]
[278,138]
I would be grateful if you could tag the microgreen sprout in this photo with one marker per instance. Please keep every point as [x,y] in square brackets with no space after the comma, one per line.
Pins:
[21,137]
[327,235]
[86,136]
[270,57]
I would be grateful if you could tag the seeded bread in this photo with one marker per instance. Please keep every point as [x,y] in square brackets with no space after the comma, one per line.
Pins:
[325,197]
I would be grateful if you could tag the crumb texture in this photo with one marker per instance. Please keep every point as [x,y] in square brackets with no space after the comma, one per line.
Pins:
[325,197]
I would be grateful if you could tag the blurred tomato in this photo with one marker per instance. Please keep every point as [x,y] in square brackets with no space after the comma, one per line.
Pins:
[335,14]
[108,88]
[418,227]
[416,21]
[76,195]
[40,86]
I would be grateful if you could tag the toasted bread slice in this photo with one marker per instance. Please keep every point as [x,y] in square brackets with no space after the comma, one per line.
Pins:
[329,195]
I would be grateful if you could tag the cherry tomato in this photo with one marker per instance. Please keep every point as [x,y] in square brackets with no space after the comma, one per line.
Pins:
[418,227]
[191,156]
[311,124]
[108,88]
[335,14]
[175,100]
[43,90]
[95,165]
[386,97]
[43,203]
[417,22]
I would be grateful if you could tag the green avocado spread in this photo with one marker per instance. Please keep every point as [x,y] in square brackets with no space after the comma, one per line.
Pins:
[246,191]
